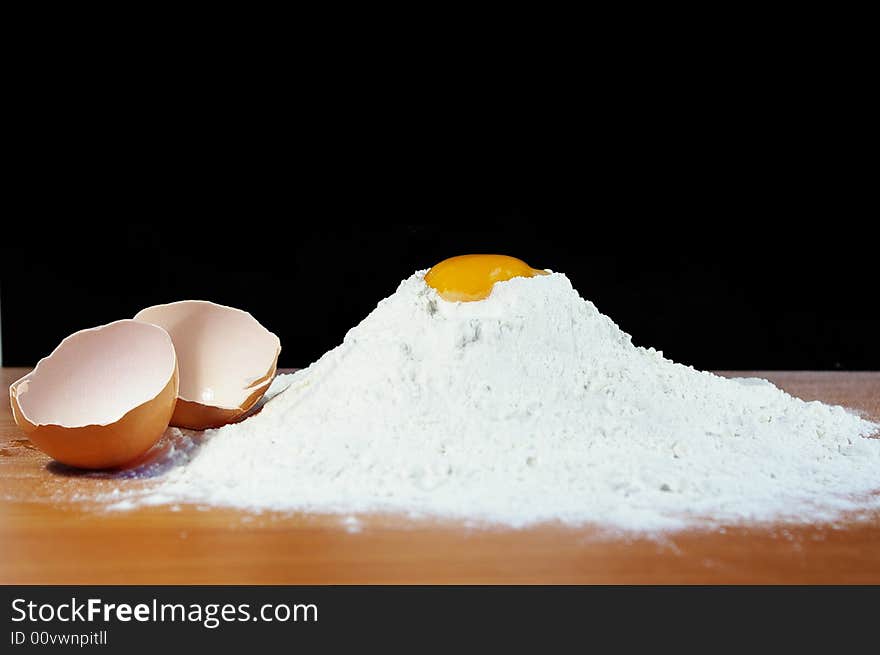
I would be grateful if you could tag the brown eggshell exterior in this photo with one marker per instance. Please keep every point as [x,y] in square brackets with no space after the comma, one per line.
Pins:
[103,446]
[195,416]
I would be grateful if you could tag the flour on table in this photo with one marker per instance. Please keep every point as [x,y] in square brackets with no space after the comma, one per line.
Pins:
[529,406]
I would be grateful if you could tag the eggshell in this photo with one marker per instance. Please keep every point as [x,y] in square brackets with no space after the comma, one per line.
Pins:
[102,398]
[227,360]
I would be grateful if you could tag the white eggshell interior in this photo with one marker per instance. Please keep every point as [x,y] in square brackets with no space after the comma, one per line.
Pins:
[96,376]
[222,351]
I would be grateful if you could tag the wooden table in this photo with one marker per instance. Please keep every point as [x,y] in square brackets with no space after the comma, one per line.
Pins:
[50,532]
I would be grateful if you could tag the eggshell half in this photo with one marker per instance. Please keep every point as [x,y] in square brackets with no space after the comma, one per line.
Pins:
[227,360]
[102,398]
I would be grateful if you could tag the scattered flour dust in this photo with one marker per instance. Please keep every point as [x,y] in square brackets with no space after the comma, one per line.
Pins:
[527,407]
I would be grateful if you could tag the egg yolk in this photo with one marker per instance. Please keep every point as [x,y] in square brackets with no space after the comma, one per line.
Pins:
[471,277]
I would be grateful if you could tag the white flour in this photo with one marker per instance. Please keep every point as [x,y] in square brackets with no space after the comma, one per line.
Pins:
[529,406]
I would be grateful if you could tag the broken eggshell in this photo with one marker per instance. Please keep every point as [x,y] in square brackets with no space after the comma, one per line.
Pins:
[227,360]
[102,398]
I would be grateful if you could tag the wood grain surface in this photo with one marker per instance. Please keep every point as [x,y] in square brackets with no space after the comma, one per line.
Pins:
[53,530]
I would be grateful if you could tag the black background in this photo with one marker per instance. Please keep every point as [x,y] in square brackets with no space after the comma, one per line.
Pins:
[726,219]
[707,292]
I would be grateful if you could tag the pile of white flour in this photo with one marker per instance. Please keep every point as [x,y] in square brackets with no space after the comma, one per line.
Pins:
[529,406]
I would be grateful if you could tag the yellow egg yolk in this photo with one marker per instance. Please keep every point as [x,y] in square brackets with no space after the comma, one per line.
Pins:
[471,277]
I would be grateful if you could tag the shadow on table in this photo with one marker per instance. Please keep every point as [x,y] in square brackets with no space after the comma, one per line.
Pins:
[174,449]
